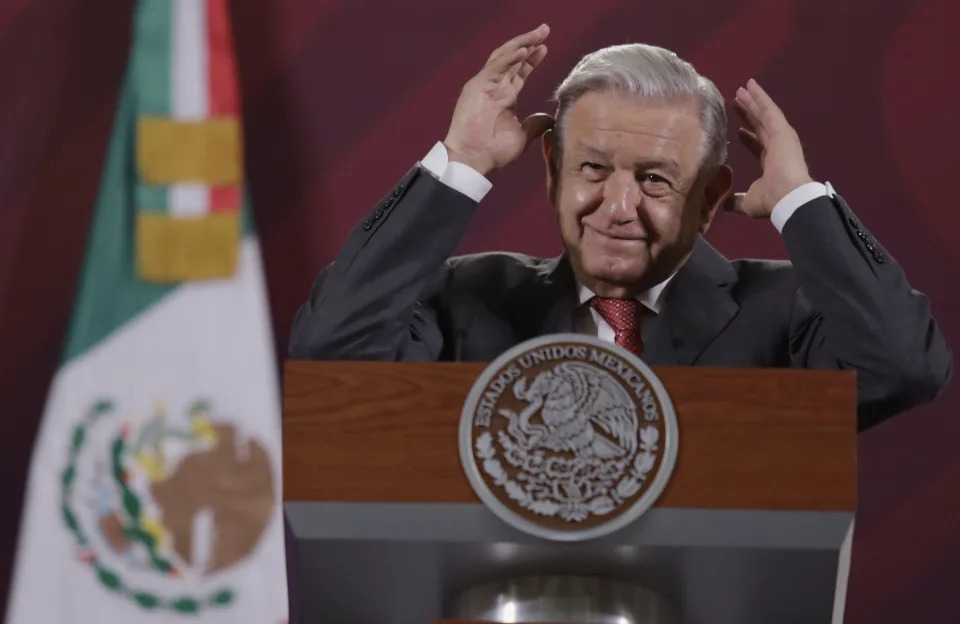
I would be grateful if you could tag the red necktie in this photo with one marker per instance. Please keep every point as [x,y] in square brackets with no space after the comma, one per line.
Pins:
[623,315]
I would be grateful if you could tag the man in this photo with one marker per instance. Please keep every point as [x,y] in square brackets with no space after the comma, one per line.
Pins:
[635,169]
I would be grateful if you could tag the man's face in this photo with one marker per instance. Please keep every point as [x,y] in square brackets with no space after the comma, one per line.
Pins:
[629,191]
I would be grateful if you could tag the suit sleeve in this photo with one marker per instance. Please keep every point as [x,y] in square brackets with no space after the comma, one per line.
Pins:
[373,301]
[854,309]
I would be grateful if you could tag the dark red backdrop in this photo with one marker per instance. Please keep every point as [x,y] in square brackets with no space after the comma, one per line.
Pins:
[341,97]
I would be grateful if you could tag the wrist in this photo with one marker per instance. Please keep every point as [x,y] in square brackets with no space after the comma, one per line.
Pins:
[788,187]
[475,162]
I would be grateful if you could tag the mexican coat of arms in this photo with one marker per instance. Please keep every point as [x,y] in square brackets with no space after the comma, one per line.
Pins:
[567,437]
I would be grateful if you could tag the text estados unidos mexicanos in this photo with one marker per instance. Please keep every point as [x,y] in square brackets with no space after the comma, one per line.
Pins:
[566,352]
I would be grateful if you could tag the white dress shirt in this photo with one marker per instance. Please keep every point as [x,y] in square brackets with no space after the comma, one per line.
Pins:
[475,185]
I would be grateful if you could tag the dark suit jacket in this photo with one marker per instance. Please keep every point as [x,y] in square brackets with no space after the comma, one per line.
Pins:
[842,302]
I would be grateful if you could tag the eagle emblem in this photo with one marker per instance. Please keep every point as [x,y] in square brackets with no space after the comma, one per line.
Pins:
[572,399]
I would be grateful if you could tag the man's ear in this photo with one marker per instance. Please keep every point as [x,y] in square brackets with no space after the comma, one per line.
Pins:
[716,189]
[551,158]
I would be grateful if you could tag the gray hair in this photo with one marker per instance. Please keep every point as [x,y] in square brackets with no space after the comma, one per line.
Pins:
[649,72]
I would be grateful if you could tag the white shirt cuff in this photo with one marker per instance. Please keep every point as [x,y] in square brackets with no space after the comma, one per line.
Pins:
[458,176]
[796,198]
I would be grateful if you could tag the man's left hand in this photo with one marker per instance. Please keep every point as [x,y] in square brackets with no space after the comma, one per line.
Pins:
[776,145]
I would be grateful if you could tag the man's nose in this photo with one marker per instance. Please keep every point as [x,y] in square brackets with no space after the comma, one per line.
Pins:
[622,197]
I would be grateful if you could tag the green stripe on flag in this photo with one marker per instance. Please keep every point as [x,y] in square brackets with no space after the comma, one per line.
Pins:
[109,293]
[150,198]
[152,55]
[248,227]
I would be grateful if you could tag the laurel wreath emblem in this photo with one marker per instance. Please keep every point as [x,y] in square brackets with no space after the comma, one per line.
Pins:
[570,488]
[132,505]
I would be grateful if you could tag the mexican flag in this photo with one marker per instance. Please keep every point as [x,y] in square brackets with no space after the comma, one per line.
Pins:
[155,489]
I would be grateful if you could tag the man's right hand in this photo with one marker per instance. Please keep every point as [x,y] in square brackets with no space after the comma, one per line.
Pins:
[485,132]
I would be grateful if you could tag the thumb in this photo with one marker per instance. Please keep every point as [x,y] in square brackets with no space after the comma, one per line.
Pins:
[734,203]
[535,125]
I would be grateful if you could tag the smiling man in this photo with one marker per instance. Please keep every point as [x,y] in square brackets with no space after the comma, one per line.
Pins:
[635,167]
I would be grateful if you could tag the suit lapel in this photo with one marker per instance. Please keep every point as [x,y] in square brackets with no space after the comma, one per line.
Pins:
[697,306]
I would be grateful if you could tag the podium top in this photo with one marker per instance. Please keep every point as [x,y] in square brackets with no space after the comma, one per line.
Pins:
[772,439]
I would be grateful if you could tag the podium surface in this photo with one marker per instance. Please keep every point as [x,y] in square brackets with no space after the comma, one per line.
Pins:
[750,528]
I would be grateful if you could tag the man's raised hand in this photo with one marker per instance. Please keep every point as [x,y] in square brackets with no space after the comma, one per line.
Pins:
[485,132]
[775,144]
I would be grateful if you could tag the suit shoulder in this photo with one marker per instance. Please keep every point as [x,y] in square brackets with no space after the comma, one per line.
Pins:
[764,275]
[489,277]
[494,264]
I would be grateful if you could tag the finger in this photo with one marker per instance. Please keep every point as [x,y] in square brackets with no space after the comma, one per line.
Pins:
[514,69]
[741,111]
[495,70]
[749,120]
[734,203]
[535,125]
[527,67]
[749,105]
[767,109]
[527,39]
[751,142]
[747,109]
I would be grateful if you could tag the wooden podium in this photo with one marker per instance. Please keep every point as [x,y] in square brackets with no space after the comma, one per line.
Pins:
[754,526]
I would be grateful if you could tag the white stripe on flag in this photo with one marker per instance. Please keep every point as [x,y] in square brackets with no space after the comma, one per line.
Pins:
[189,200]
[188,63]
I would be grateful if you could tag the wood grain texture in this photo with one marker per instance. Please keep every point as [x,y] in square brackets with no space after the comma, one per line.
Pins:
[749,439]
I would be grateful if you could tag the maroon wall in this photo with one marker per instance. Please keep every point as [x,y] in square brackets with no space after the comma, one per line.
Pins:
[341,97]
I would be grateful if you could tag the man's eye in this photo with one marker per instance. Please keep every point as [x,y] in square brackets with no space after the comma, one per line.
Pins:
[591,165]
[655,185]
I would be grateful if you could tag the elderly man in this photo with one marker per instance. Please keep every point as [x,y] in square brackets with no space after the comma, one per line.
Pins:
[635,167]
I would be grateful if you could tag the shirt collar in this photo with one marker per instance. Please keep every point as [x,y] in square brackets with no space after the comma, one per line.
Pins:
[652,299]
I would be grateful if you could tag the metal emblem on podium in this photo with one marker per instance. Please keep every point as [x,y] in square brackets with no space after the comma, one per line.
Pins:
[567,437]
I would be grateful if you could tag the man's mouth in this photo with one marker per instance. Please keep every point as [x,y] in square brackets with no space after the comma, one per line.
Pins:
[617,236]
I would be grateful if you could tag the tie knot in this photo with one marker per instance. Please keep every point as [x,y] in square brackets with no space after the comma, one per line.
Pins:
[623,315]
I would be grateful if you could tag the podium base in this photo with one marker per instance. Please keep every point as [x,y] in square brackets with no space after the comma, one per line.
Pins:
[563,599]
[404,563]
